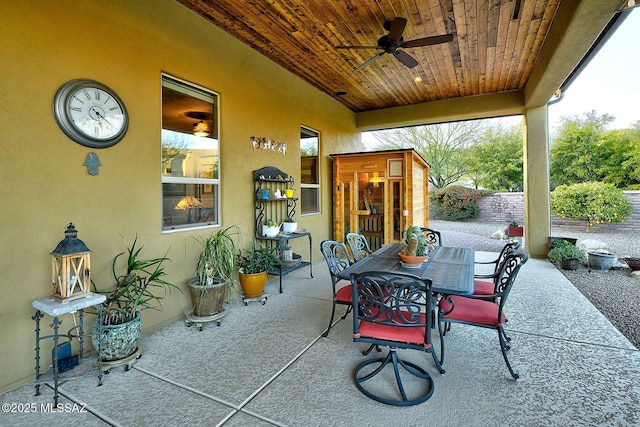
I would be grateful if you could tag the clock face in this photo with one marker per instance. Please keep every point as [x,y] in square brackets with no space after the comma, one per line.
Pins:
[90,113]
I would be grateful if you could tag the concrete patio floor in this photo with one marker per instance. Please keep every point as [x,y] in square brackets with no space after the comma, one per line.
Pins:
[268,365]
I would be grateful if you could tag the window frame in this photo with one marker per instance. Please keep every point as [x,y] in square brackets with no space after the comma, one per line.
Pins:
[316,187]
[200,182]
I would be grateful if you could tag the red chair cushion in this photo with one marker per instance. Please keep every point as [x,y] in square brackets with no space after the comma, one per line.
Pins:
[480,287]
[413,335]
[471,310]
[343,294]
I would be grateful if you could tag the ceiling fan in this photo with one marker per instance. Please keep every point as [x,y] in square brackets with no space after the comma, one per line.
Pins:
[390,43]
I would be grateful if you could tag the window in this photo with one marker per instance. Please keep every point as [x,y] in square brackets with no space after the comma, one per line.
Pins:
[190,156]
[309,172]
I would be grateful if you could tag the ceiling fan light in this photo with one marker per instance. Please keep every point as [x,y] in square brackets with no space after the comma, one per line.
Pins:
[200,129]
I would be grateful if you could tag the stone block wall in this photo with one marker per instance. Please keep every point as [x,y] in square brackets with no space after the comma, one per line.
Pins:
[501,208]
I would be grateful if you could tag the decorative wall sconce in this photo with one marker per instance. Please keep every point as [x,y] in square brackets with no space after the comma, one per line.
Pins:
[262,143]
[376,179]
[70,267]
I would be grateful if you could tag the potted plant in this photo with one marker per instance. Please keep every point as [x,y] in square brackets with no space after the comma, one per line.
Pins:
[565,254]
[253,265]
[289,225]
[214,272]
[415,247]
[514,229]
[270,228]
[120,324]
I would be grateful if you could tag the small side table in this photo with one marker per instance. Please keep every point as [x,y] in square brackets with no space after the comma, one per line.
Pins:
[55,309]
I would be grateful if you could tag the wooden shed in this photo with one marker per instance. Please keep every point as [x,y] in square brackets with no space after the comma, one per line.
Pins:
[379,194]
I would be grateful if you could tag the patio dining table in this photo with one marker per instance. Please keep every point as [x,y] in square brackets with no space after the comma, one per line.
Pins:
[450,269]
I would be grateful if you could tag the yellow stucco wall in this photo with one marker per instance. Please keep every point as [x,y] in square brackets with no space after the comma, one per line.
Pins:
[127,45]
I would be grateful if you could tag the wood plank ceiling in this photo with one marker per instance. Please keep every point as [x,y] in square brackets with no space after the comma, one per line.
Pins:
[495,44]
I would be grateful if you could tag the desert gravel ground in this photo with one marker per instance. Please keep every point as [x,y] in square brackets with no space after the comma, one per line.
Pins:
[613,292]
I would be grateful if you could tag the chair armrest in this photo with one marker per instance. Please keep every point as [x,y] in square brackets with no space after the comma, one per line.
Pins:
[485,276]
[495,261]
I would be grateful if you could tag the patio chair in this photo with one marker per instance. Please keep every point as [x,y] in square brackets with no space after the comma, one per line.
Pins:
[391,312]
[488,287]
[337,257]
[475,311]
[358,245]
[433,236]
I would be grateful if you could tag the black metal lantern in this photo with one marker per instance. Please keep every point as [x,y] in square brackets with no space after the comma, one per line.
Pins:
[70,267]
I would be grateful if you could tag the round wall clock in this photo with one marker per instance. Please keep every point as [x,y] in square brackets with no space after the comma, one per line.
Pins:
[90,113]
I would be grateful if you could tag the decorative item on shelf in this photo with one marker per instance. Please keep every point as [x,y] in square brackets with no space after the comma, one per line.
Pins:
[415,248]
[289,225]
[566,255]
[253,265]
[265,193]
[121,326]
[289,192]
[286,254]
[186,204]
[70,267]
[295,261]
[270,228]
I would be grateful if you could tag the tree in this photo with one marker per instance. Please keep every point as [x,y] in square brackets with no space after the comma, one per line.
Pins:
[585,151]
[576,153]
[496,161]
[593,202]
[441,145]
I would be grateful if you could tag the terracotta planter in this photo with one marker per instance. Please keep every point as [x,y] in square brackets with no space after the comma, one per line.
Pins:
[253,284]
[207,300]
[118,341]
[515,231]
[412,259]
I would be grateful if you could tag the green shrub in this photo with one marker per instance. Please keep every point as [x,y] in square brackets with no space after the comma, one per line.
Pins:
[456,202]
[565,250]
[593,202]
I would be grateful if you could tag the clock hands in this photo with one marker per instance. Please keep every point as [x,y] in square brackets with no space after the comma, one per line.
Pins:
[102,117]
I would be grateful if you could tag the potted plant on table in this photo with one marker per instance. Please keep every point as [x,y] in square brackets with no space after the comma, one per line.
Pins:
[214,272]
[120,324]
[253,265]
[565,254]
[415,247]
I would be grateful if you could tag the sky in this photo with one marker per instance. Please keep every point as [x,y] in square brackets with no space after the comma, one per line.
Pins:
[609,83]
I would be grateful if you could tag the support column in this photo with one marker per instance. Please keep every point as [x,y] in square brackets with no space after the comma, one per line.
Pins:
[537,210]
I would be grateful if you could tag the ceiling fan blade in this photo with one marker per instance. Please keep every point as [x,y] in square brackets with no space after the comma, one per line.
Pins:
[428,41]
[405,58]
[369,61]
[397,28]
[358,47]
